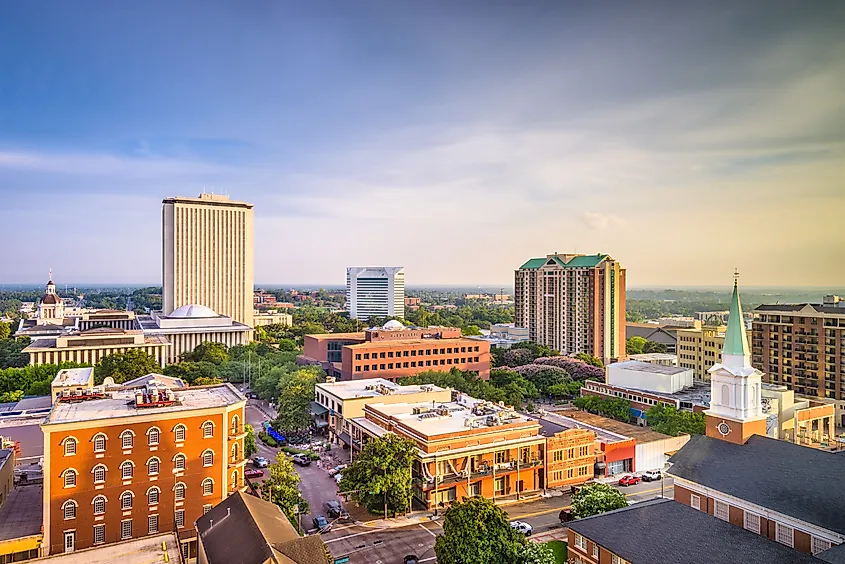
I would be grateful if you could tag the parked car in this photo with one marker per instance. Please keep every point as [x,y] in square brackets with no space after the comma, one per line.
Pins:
[302,460]
[411,559]
[253,473]
[321,523]
[260,462]
[337,469]
[333,508]
[652,476]
[565,515]
[338,478]
[629,480]
[522,527]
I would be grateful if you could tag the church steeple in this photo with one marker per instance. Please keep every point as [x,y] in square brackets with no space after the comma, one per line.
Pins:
[736,342]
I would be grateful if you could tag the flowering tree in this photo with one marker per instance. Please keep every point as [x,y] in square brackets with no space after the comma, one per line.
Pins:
[577,369]
[596,498]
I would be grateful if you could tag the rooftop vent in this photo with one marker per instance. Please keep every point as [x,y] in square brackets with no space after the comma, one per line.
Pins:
[154,396]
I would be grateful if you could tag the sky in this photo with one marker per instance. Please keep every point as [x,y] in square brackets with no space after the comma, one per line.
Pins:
[457,139]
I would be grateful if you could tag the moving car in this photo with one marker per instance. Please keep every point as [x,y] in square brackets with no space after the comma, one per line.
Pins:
[253,473]
[629,480]
[522,527]
[652,476]
[302,460]
[260,462]
[321,523]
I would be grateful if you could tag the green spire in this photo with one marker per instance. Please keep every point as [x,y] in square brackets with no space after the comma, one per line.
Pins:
[735,340]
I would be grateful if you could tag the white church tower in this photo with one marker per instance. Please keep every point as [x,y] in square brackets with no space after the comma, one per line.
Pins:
[736,411]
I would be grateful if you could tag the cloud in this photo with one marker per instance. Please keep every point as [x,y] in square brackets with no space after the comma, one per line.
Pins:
[600,221]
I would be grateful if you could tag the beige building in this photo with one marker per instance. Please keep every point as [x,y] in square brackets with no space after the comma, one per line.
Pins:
[271,318]
[208,255]
[72,381]
[89,347]
[573,303]
[700,349]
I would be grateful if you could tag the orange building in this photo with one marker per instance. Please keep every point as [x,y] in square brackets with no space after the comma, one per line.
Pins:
[571,457]
[126,463]
[395,351]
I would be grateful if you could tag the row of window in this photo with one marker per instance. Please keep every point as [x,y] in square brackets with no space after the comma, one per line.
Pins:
[414,352]
[69,507]
[415,364]
[126,528]
[569,453]
[559,475]
[127,437]
[581,543]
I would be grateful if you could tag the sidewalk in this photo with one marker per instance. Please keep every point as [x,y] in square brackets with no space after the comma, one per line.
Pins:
[415,518]
[559,533]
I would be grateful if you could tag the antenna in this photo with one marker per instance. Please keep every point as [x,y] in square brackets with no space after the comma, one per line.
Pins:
[736,276]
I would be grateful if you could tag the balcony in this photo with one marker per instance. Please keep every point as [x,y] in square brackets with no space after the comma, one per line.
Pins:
[235,462]
[485,471]
[237,432]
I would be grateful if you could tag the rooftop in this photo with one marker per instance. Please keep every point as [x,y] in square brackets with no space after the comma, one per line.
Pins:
[641,434]
[39,344]
[332,336]
[799,481]
[409,342]
[167,381]
[805,308]
[21,515]
[373,387]
[143,550]
[575,261]
[640,366]
[121,404]
[645,357]
[663,531]
[74,377]
[698,394]
[552,423]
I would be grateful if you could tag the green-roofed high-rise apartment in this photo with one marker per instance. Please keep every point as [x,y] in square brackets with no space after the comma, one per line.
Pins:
[573,303]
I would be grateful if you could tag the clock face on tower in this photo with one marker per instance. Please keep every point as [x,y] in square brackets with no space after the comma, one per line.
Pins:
[723,428]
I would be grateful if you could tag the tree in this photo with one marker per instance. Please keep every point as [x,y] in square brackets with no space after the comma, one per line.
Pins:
[589,359]
[6,331]
[295,393]
[207,351]
[190,372]
[381,475]
[250,447]
[541,375]
[206,381]
[615,408]
[470,330]
[653,347]
[126,366]
[566,390]
[476,531]
[595,498]
[635,345]
[669,421]
[282,487]
[536,553]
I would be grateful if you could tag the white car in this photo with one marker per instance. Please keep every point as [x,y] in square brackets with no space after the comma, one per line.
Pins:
[338,477]
[522,527]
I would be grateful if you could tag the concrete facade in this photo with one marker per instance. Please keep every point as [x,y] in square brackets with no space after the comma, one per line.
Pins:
[89,347]
[375,291]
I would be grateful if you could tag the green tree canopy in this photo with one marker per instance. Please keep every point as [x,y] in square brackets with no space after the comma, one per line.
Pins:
[653,347]
[669,421]
[537,553]
[282,487]
[615,408]
[126,366]
[476,531]
[206,381]
[567,390]
[250,446]
[589,359]
[592,499]
[5,331]
[193,371]
[635,345]
[207,351]
[381,474]
[295,394]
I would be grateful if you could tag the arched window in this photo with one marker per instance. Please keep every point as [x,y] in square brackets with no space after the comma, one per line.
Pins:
[153,435]
[99,504]
[70,446]
[127,469]
[127,438]
[207,429]
[179,491]
[208,457]
[235,484]
[726,395]
[752,395]
[152,466]
[99,442]
[179,462]
[99,472]
[126,500]
[235,421]
[235,452]
[69,509]
[152,495]
[70,478]
[179,431]
[207,486]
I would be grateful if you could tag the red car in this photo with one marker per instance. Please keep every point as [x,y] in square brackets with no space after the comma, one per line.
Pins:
[253,473]
[629,480]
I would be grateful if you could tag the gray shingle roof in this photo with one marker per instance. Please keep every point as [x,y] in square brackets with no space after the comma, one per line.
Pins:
[795,480]
[663,531]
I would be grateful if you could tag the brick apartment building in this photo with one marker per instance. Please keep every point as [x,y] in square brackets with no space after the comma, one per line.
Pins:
[126,463]
[395,351]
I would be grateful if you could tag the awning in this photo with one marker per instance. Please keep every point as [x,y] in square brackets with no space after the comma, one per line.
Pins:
[320,423]
[318,409]
[345,438]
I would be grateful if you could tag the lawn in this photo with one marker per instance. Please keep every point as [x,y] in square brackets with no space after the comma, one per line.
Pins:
[559,549]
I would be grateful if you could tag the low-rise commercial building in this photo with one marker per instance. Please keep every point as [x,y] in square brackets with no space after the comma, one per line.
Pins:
[664,359]
[648,376]
[72,381]
[89,347]
[20,513]
[260,318]
[701,348]
[154,549]
[504,335]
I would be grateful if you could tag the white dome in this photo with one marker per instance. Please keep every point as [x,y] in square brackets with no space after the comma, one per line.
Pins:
[193,311]
[393,325]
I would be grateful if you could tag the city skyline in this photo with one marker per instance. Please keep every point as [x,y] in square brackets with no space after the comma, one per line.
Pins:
[684,141]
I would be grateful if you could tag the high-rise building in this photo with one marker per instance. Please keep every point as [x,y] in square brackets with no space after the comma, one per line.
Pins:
[573,303]
[375,291]
[208,255]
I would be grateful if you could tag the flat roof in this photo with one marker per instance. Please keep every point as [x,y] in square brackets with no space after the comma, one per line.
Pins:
[22,513]
[143,550]
[326,336]
[649,367]
[697,394]
[653,356]
[120,404]
[27,431]
[351,389]
[641,434]
[150,328]
[368,425]
[149,339]
[436,341]
[73,377]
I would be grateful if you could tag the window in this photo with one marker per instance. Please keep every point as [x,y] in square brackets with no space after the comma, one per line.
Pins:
[557,456]
[70,478]
[99,474]
[580,542]
[235,452]
[152,466]
[179,462]
[153,436]
[820,545]
[70,446]
[208,458]
[99,534]
[235,482]
[69,508]
[179,491]
[179,431]
[500,457]
[595,550]
[99,504]
[785,535]
[126,470]
[127,439]
[499,486]
[557,476]
[126,529]
[751,522]
[721,510]
[152,524]
[695,501]
[616,560]
[180,518]
[235,424]
[152,496]
[206,508]
[99,443]
[475,489]
[207,486]
[126,500]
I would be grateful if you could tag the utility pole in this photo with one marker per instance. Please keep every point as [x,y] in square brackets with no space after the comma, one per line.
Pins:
[384,492]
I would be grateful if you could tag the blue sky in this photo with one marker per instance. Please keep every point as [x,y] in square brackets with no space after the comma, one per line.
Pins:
[455,138]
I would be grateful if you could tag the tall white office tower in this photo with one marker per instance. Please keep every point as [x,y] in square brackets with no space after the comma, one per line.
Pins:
[375,291]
